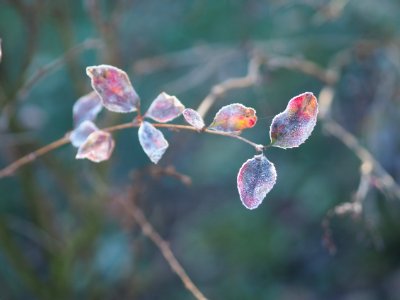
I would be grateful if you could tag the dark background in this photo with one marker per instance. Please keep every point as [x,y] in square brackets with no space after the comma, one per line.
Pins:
[60,225]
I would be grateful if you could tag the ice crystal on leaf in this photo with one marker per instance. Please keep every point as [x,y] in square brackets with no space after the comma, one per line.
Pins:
[165,108]
[86,108]
[152,141]
[114,88]
[79,135]
[193,118]
[234,118]
[255,179]
[293,126]
[98,147]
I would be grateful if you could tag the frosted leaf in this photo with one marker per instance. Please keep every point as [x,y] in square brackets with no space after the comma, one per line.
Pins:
[165,108]
[234,118]
[193,118]
[79,135]
[86,107]
[293,126]
[255,179]
[114,88]
[98,147]
[152,141]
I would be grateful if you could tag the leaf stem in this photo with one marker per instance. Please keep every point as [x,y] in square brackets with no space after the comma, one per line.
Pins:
[10,169]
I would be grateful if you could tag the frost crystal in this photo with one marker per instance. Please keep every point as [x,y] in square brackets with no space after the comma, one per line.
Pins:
[86,107]
[234,118]
[79,135]
[255,179]
[165,108]
[152,141]
[193,118]
[293,126]
[98,147]
[114,88]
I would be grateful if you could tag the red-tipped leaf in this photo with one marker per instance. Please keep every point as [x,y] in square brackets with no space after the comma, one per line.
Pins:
[293,126]
[234,118]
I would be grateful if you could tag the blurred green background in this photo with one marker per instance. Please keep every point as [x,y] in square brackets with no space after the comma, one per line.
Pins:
[62,234]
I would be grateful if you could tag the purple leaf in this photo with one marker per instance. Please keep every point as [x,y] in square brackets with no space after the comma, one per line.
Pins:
[293,126]
[152,141]
[255,179]
[114,88]
[193,118]
[1,51]
[79,135]
[87,108]
[234,118]
[98,147]
[165,108]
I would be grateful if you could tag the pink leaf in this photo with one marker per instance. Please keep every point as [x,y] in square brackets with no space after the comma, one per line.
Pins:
[255,179]
[152,141]
[234,118]
[114,88]
[293,126]
[193,118]
[86,107]
[79,135]
[98,147]
[165,108]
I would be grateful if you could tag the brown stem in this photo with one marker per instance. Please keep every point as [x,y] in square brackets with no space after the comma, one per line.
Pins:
[257,147]
[55,64]
[385,179]
[10,169]
[149,231]
[231,84]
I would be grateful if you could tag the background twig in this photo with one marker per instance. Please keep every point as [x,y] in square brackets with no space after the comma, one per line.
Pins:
[149,231]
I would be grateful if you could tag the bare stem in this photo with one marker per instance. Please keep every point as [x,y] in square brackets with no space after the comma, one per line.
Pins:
[257,147]
[149,231]
[10,169]
[55,64]
[231,84]
[384,178]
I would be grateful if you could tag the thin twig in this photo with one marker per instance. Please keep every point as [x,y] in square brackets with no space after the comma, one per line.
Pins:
[202,72]
[149,231]
[257,147]
[302,65]
[231,84]
[55,64]
[196,55]
[384,178]
[157,171]
[10,169]
[369,165]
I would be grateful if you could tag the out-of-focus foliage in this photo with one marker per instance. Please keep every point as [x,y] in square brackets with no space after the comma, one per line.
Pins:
[62,234]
